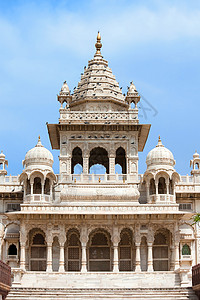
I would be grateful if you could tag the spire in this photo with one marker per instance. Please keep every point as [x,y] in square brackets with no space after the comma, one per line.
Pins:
[159,142]
[98,44]
[39,144]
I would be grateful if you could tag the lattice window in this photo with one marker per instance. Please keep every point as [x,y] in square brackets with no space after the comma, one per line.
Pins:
[38,253]
[125,252]
[73,252]
[160,253]
[186,250]
[99,253]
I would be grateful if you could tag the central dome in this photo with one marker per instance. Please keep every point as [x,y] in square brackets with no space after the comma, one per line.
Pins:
[38,155]
[160,156]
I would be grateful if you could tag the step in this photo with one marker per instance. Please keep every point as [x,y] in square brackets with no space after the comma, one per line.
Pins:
[80,294]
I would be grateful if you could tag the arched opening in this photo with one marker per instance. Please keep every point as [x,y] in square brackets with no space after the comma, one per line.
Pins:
[37,187]
[78,169]
[152,187]
[76,158]
[73,251]
[99,156]
[55,254]
[121,159]
[186,250]
[161,251]
[38,253]
[28,187]
[126,251]
[143,254]
[196,166]
[99,252]
[12,250]
[162,189]
[47,186]
[118,169]
[97,169]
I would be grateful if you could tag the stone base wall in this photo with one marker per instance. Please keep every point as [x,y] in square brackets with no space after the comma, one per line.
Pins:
[99,280]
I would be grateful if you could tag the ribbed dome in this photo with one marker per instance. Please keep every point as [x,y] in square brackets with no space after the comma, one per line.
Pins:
[38,155]
[160,156]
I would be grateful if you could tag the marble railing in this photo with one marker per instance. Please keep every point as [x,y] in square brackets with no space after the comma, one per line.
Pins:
[37,198]
[67,116]
[97,178]
[160,198]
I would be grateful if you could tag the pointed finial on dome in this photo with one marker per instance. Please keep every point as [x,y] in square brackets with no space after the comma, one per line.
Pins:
[159,142]
[196,154]
[98,44]
[39,144]
[2,155]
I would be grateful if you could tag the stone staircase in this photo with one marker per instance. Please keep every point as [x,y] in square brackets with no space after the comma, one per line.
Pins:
[105,293]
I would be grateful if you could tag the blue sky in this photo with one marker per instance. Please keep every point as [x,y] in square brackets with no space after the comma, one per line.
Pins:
[154,43]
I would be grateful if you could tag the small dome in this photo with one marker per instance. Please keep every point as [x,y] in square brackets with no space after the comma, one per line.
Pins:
[160,156]
[196,155]
[2,156]
[132,88]
[38,155]
[64,89]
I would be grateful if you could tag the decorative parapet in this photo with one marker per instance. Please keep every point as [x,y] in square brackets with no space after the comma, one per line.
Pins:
[101,208]
[97,178]
[79,117]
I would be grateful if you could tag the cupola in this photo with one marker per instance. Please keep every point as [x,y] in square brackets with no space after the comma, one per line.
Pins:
[38,156]
[160,157]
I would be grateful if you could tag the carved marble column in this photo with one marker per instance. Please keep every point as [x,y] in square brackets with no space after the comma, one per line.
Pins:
[49,256]
[31,188]
[172,265]
[85,164]
[137,245]
[156,184]
[42,188]
[23,237]
[22,256]
[150,240]
[148,196]
[112,164]
[62,239]
[150,257]
[176,250]
[84,240]
[115,240]
[68,166]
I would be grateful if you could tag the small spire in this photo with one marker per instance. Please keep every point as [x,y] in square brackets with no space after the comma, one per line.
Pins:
[98,44]
[39,144]
[159,142]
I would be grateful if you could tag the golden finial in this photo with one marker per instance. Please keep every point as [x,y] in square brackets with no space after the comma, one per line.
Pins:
[98,44]
[159,142]
[39,138]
